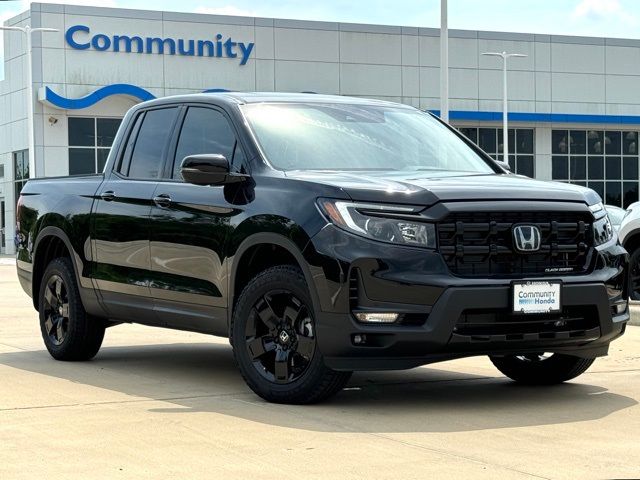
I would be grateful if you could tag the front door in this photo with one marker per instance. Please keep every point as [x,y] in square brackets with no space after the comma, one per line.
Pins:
[189,228]
[120,222]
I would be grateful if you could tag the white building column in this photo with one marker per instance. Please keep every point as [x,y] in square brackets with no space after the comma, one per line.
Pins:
[542,137]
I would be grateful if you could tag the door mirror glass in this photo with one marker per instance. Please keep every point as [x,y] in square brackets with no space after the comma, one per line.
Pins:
[208,169]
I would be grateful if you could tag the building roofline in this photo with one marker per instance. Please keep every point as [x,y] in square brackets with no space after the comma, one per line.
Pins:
[322,25]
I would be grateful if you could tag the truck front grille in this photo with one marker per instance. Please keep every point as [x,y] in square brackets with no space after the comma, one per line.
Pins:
[580,323]
[482,244]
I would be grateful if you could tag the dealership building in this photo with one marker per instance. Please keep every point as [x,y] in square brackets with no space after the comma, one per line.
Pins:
[574,107]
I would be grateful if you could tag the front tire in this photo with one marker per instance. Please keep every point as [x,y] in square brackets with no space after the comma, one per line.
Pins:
[68,332]
[541,369]
[274,340]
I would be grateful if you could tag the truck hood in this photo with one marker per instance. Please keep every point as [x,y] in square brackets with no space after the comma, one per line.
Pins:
[428,188]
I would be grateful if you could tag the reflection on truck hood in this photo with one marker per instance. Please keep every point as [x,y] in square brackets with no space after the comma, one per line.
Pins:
[428,187]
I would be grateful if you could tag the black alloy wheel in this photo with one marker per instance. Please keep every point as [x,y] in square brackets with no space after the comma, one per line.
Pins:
[534,357]
[279,336]
[56,310]
[69,333]
[275,342]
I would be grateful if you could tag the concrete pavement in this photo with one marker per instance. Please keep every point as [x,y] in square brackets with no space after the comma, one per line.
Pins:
[162,404]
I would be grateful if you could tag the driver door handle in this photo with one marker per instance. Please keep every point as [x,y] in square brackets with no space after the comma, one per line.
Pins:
[108,195]
[163,200]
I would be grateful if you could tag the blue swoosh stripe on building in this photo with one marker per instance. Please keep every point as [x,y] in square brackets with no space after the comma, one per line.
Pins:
[49,96]
[94,97]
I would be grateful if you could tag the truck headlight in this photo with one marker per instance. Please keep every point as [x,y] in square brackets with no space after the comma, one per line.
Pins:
[602,230]
[386,223]
[596,208]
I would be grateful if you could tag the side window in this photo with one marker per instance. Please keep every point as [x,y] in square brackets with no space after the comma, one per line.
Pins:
[239,160]
[150,146]
[204,131]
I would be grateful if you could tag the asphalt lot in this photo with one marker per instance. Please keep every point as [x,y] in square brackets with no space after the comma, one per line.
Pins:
[162,404]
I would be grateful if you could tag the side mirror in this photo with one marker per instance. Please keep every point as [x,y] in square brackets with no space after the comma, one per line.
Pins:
[504,165]
[209,169]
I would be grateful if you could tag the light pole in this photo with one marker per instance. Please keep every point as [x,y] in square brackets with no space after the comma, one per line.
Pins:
[28,31]
[505,130]
[444,62]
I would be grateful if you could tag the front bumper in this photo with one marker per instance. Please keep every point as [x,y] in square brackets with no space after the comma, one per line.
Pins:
[354,274]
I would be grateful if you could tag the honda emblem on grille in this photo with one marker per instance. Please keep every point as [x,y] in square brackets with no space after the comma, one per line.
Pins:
[527,238]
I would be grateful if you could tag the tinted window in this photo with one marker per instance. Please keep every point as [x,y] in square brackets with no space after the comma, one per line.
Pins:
[107,129]
[103,154]
[82,132]
[151,143]
[204,131]
[81,161]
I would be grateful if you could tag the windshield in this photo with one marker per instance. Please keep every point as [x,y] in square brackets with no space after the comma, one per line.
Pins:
[314,136]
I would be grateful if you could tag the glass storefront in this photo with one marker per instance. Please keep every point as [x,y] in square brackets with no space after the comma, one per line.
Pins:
[603,160]
[90,140]
[521,146]
[21,171]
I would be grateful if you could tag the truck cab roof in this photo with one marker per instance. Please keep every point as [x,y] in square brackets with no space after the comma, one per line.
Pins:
[240,98]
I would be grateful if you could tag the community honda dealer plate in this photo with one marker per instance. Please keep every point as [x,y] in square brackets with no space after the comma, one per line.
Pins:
[536,297]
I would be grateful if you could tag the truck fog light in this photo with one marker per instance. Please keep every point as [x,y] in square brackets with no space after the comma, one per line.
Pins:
[359,339]
[377,317]
[620,308]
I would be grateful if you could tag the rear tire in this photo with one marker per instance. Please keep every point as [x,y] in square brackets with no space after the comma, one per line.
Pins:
[537,369]
[274,340]
[68,332]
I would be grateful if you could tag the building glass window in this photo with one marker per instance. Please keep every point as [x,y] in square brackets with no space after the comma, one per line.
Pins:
[3,225]
[603,160]
[21,171]
[1,170]
[521,150]
[90,140]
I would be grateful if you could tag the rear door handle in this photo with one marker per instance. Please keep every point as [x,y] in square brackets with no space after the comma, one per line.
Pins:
[108,195]
[163,200]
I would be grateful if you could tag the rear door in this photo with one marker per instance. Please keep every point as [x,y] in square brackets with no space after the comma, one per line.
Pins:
[120,221]
[189,228]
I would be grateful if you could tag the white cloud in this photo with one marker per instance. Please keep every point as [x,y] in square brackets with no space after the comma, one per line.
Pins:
[601,10]
[226,10]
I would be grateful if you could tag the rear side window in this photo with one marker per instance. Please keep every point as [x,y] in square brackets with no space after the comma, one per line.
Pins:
[205,131]
[151,143]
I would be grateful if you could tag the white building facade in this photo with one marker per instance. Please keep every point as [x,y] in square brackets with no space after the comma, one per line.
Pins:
[574,107]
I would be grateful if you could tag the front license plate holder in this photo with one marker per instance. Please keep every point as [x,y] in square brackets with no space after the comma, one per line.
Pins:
[536,297]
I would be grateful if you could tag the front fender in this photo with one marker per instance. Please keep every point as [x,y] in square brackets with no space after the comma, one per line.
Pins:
[264,230]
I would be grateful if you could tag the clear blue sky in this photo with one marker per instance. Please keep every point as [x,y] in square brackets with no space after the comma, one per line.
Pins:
[607,18]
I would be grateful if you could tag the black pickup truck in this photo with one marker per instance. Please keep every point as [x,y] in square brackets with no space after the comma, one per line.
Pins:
[321,235]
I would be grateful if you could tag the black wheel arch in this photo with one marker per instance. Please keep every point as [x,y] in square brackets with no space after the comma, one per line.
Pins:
[46,248]
[266,239]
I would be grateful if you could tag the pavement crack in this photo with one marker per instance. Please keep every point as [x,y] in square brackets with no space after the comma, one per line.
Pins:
[454,455]
[613,371]
[16,347]
[116,402]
